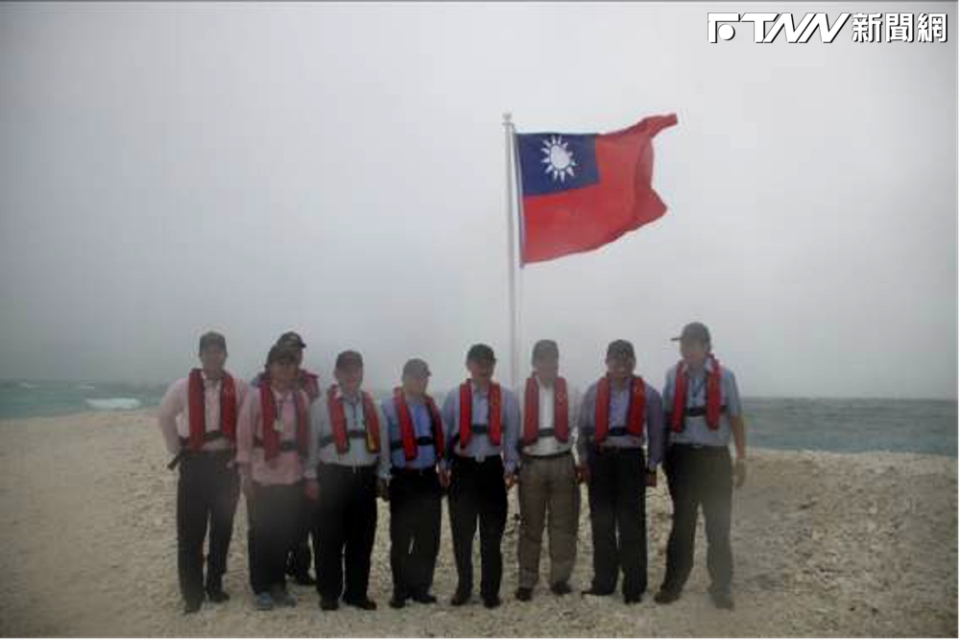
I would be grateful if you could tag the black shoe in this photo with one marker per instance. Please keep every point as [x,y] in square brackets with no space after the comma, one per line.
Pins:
[398,601]
[217,594]
[561,588]
[524,594]
[191,607]
[361,603]
[722,599]
[329,604]
[424,597]
[593,591]
[666,596]
[491,602]
[633,598]
[460,598]
[305,580]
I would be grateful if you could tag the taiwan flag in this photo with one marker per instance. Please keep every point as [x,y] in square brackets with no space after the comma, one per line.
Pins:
[581,191]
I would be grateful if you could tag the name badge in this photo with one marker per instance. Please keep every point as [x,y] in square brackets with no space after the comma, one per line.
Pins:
[278,425]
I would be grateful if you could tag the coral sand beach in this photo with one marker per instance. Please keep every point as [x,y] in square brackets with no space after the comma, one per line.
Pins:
[825,544]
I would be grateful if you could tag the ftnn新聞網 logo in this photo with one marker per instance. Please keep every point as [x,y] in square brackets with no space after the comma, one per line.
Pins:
[866,27]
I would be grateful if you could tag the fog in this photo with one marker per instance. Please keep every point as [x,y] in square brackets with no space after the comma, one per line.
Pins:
[338,170]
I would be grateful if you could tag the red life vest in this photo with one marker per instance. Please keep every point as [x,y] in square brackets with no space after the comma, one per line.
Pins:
[197,414]
[269,416]
[408,433]
[531,411]
[680,397]
[466,414]
[635,412]
[338,421]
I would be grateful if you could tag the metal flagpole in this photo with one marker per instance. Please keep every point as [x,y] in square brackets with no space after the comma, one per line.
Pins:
[512,226]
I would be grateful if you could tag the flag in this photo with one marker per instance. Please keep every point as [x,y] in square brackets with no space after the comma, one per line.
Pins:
[582,191]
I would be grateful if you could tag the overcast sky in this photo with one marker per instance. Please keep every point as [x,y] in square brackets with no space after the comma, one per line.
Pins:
[339,170]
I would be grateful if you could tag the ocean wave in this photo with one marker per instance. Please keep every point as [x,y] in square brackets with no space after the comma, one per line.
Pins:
[27,385]
[86,387]
[113,404]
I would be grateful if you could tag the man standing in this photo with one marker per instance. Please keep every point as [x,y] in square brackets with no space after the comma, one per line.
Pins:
[620,414]
[548,482]
[272,435]
[198,419]
[342,476]
[414,430]
[703,410]
[298,558]
[481,424]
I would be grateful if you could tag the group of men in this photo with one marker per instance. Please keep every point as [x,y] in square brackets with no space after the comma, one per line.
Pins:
[312,462]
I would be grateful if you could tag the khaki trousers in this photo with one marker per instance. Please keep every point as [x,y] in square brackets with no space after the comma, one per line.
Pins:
[549,495]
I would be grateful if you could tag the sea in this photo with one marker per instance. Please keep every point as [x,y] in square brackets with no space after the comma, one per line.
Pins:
[844,425]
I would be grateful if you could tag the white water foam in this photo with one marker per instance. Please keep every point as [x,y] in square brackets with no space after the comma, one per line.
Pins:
[113,404]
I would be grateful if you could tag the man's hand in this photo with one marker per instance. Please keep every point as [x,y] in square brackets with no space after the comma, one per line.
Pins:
[739,472]
[246,485]
[383,490]
[583,474]
[509,479]
[651,477]
[312,490]
[444,477]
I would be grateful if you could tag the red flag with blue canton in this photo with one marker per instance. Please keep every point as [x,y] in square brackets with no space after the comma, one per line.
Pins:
[582,191]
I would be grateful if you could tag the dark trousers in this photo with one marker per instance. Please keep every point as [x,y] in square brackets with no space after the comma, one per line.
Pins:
[345,528]
[274,513]
[414,530]
[477,495]
[207,492]
[699,477]
[618,519]
[300,557]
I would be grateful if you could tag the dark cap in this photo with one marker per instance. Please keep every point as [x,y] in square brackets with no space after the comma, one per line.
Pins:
[620,349]
[283,353]
[213,339]
[293,339]
[546,349]
[347,359]
[416,368]
[694,332]
[481,353]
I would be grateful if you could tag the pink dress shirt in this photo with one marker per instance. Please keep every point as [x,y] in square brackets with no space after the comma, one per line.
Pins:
[287,467]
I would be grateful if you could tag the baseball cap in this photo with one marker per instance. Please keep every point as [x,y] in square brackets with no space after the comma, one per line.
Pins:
[213,339]
[620,349]
[349,358]
[282,353]
[481,353]
[694,332]
[546,348]
[416,368]
[292,338]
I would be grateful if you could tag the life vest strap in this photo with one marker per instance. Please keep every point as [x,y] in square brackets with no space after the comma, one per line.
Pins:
[475,429]
[208,436]
[285,445]
[422,441]
[612,431]
[699,412]
[352,434]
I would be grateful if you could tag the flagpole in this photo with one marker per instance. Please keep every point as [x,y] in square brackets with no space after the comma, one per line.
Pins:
[512,264]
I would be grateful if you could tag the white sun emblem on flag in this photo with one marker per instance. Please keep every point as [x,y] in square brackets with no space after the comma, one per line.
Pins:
[559,159]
